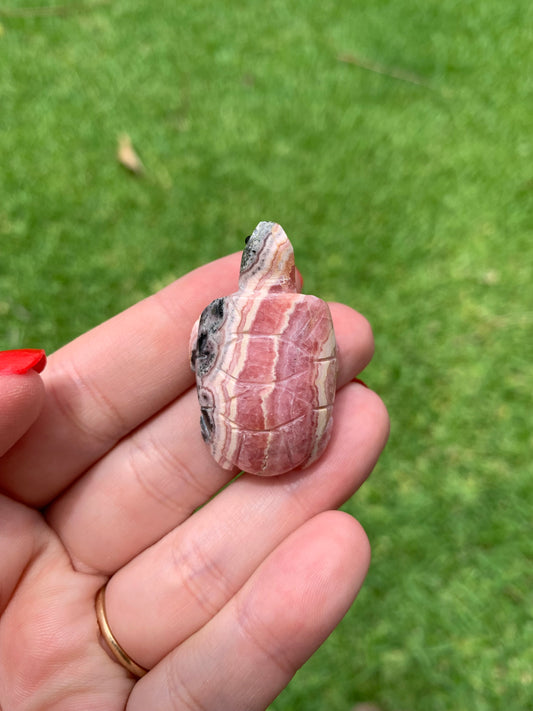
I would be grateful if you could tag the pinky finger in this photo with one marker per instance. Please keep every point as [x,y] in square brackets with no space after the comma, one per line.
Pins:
[246,655]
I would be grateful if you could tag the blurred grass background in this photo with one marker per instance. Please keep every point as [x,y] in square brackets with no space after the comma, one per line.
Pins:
[393,141]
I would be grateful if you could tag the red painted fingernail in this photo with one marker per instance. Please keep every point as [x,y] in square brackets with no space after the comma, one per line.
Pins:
[358,380]
[21,361]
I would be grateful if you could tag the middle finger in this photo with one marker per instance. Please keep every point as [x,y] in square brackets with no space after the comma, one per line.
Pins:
[153,480]
[174,587]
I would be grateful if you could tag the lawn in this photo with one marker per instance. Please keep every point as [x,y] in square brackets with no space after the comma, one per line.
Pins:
[393,141]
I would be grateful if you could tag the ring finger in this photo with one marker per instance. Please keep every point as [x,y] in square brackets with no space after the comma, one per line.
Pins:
[242,658]
[172,589]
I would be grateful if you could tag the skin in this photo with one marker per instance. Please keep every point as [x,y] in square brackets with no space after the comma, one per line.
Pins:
[224,605]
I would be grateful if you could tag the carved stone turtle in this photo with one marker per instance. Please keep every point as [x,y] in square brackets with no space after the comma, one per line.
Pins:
[265,363]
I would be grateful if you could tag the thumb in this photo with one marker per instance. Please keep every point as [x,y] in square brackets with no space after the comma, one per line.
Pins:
[21,393]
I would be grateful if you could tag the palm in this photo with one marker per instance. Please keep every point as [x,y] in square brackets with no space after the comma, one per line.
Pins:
[217,604]
[48,645]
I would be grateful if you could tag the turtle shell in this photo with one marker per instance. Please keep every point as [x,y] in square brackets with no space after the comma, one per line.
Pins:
[265,363]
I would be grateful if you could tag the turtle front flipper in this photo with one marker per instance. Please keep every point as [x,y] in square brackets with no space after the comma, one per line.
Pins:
[203,344]
[193,340]
[204,355]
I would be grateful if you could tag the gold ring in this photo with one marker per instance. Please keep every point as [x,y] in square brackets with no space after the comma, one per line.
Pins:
[114,647]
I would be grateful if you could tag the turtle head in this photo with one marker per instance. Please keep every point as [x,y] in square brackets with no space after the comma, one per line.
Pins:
[268,260]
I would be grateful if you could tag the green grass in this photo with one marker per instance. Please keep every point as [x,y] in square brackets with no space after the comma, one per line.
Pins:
[413,202]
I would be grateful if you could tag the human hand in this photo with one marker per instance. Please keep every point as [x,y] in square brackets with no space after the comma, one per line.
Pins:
[222,597]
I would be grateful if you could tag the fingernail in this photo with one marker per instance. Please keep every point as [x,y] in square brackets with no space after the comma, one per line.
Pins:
[358,380]
[21,361]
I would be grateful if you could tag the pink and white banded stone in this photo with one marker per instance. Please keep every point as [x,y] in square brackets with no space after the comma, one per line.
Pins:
[265,363]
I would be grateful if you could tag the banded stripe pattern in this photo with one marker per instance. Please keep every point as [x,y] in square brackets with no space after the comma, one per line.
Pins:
[265,360]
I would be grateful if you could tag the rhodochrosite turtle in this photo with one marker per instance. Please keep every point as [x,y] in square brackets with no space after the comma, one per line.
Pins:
[265,363]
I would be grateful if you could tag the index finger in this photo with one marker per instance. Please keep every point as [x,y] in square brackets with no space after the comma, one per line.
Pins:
[108,381]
